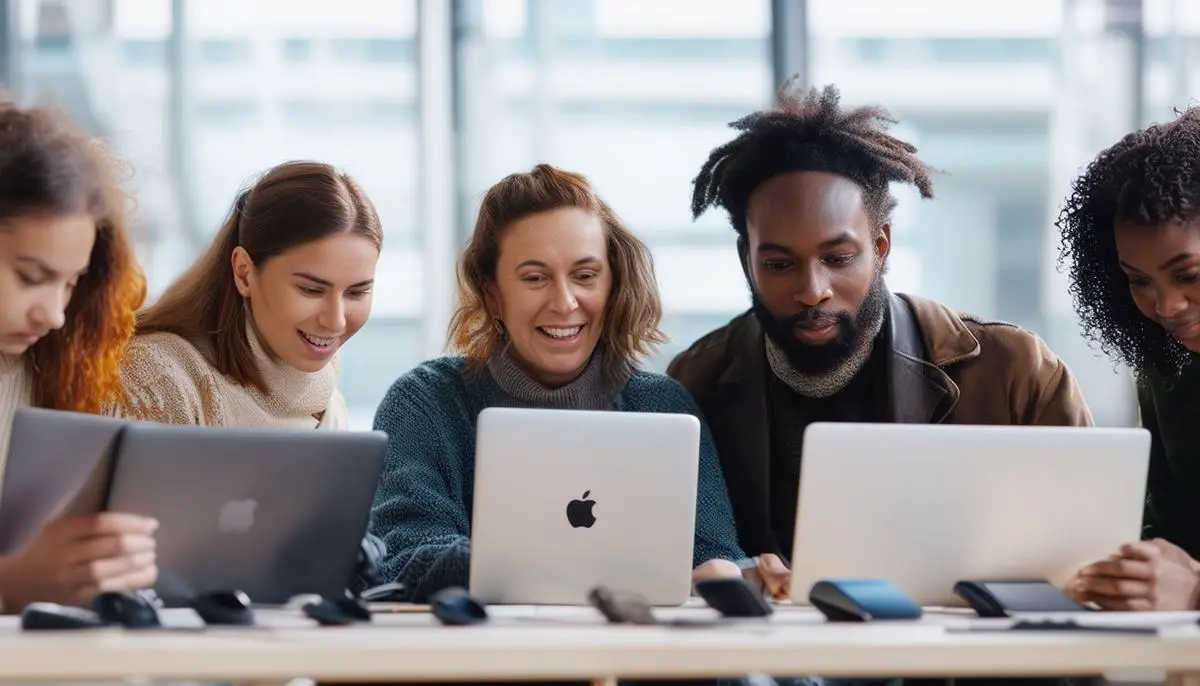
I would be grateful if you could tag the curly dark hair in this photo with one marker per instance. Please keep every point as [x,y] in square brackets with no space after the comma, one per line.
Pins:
[808,130]
[1149,177]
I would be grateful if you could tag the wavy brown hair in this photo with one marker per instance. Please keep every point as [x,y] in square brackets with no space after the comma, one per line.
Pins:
[292,204]
[49,166]
[634,309]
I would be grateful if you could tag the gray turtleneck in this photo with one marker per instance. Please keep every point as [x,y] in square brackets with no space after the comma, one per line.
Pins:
[589,391]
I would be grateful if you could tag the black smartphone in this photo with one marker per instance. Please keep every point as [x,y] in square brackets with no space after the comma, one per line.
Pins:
[1001,598]
[733,598]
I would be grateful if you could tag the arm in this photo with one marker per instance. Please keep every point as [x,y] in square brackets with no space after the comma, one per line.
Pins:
[716,535]
[1156,522]
[1054,398]
[419,510]
[155,387]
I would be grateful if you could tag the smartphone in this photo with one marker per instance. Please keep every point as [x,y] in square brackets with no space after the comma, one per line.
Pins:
[1002,598]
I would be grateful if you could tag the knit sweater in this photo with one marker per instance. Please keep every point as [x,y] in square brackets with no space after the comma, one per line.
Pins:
[169,380]
[422,509]
[16,391]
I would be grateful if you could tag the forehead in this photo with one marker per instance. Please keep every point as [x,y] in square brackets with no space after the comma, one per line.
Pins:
[63,243]
[807,205]
[562,235]
[339,252]
[1156,246]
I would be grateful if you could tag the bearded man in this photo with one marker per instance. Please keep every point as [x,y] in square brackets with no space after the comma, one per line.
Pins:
[806,187]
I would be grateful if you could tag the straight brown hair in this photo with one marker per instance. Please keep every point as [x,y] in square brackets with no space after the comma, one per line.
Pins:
[292,204]
[634,310]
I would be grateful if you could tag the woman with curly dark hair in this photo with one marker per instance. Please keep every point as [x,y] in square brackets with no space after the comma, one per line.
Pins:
[69,290]
[1131,244]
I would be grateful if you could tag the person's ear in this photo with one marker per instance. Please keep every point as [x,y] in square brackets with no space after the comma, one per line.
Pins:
[883,241]
[243,270]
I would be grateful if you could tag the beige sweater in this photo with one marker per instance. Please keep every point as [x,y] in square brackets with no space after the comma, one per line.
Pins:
[168,380]
[16,391]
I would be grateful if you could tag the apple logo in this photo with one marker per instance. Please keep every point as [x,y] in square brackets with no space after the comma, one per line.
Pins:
[579,512]
[237,516]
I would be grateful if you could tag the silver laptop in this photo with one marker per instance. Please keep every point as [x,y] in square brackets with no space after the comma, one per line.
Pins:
[925,506]
[271,512]
[566,500]
[58,464]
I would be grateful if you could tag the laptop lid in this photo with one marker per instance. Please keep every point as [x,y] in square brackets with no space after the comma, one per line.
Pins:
[58,464]
[925,506]
[272,512]
[566,500]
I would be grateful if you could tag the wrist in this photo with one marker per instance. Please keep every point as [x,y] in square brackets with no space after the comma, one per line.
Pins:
[1194,566]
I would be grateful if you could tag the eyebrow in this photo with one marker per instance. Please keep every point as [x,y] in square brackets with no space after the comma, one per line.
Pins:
[539,263]
[843,237]
[47,270]
[1181,257]
[325,282]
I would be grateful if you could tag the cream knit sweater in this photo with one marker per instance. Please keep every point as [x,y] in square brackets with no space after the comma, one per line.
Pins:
[16,392]
[169,380]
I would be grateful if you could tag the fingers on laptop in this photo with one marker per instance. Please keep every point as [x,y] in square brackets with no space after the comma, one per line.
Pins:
[1147,575]
[109,551]
[776,577]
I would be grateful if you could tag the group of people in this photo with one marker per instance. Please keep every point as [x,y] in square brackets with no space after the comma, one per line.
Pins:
[558,306]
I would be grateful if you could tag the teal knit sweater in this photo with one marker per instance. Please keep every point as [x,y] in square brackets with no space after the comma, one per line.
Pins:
[422,508]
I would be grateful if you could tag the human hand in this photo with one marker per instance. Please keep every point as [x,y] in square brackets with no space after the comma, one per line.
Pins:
[774,575]
[74,558]
[1147,575]
[716,569]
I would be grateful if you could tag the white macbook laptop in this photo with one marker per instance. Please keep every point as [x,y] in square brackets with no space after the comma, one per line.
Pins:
[925,506]
[566,500]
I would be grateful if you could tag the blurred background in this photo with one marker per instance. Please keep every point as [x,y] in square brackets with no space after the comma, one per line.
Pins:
[428,102]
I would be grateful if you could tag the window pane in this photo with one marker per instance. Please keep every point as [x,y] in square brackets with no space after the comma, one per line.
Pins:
[993,99]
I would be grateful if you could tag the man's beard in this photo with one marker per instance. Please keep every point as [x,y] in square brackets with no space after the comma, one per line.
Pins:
[853,333]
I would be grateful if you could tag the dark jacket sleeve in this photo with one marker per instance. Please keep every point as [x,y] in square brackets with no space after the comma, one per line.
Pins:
[716,535]
[419,509]
[1157,521]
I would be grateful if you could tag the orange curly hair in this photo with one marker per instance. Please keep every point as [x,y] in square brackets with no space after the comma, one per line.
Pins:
[51,166]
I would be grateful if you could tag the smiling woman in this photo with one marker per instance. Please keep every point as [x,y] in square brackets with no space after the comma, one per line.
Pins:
[557,304]
[1131,242]
[249,335]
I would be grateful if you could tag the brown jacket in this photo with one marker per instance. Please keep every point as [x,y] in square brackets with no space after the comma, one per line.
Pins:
[944,368]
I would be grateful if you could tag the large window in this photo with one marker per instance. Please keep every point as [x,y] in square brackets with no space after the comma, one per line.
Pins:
[429,102]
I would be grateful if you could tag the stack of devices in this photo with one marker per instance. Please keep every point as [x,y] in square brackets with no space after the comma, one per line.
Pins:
[272,512]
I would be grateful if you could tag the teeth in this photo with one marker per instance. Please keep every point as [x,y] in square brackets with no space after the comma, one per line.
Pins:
[318,341]
[555,332]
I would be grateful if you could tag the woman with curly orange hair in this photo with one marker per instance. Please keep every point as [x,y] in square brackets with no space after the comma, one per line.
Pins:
[69,289]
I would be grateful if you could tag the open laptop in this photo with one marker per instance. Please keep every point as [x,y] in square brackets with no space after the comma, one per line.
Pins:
[58,464]
[925,506]
[566,500]
[271,512]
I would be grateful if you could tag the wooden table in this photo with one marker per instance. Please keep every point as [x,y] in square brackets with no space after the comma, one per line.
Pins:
[569,643]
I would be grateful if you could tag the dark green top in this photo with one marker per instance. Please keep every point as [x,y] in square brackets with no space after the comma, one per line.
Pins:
[1170,409]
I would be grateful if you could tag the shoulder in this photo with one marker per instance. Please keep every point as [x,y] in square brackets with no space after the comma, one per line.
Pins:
[653,392]
[157,357]
[704,359]
[429,383]
[1009,343]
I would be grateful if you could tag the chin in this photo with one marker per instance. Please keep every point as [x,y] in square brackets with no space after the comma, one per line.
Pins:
[14,349]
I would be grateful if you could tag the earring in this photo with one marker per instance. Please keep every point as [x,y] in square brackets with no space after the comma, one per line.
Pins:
[499,325]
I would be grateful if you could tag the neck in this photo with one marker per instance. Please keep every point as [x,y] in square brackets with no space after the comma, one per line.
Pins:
[827,383]
[588,391]
[291,392]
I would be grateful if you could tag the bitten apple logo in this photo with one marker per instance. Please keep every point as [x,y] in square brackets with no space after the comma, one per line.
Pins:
[579,512]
